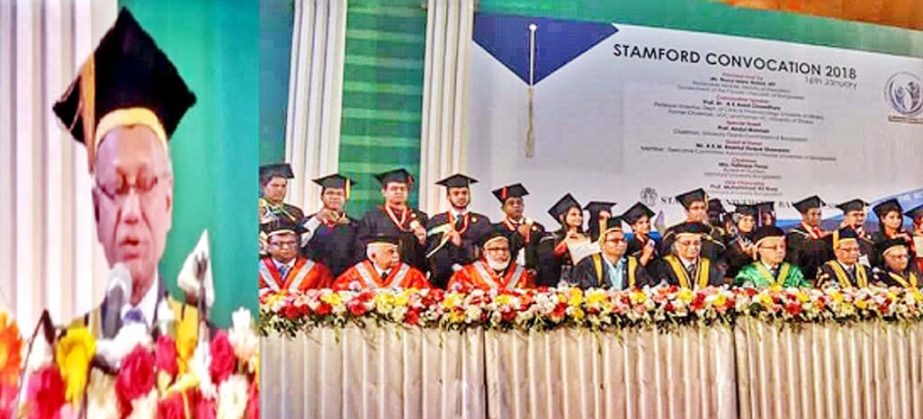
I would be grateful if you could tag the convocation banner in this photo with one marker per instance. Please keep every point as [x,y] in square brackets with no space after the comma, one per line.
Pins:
[630,113]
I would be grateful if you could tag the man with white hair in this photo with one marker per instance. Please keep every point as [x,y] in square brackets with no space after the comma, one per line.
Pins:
[770,269]
[382,269]
[125,105]
[896,269]
[496,269]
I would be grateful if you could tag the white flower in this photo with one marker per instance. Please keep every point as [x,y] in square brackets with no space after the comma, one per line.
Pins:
[241,336]
[232,397]
[199,365]
[42,354]
[129,337]
[144,407]
[101,400]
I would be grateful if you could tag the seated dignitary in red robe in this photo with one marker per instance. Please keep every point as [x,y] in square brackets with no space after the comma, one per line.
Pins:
[284,268]
[496,269]
[382,269]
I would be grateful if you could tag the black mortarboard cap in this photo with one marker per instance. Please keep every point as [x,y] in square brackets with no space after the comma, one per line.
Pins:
[745,210]
[281,225]
[686,199]
[494,234]
[563,205]
[886,245]
[715,205]
[510,191]
[457,181]
[638,210]
[884,207]
[767,231]
[915,212]
[842,234]
[691,228]
[611,224]
[397,175]
[853,205]
[277,170]
[384,239]
[335,181]
[596,207]
[810,202]
[126,71]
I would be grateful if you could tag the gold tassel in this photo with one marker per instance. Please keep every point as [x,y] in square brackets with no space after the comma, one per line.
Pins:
[88,108]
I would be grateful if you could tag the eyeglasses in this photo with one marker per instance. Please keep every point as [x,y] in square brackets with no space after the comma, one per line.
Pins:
[689,243]
[616,241]
[898,256]
[775,247]
[284,244]
[118,189]
[497,249]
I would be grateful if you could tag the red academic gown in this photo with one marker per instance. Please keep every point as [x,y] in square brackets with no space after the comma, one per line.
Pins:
[305,274]
[479,275]
[365,274]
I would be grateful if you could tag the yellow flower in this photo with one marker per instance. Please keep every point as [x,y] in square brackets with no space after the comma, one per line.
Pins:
[576,297]
[503,299]
[10,351]
[720,300]
[802,296]
[685,295]
[765,300]
[332,298]
[452,300]
[861,304]
[577,313]
[402,299]
[836,296]
[186,332]
[595,297]
[917,295]
[637,297]
[73,354]
[457,316]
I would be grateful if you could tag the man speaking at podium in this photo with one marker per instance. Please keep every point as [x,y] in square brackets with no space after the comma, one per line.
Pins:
[123,107]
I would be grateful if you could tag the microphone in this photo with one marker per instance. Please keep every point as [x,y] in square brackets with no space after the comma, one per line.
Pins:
[118,290]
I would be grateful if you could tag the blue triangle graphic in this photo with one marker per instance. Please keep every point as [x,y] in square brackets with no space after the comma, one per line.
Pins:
[558,42]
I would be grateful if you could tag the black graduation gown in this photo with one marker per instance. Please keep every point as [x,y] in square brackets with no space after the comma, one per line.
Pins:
[440,261]
[867,248]
[713,245]
[585,274]
[735,255]
[885,277]
[553,268]
[376,222]
[334,246]
[663,272]
[518,242]
[827,275]
[636,247]
[807,253]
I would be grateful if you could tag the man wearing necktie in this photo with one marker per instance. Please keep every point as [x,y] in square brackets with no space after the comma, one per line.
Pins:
[383,268]
[284,269]
[453,236]
[685,266]
[770,268]
[845,271]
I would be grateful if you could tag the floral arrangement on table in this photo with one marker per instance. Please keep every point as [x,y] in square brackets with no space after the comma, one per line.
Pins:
[162,378]
[662,307]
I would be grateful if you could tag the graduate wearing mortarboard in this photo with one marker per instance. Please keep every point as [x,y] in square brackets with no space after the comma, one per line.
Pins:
[600,212]
[525,233]
[395,218]
[807,244]
[890,226]
[854,216]
[273,187]
[124,107]
[713,241]
[555,262]
[453,236]
[331,234]
[641,245]
[741,248]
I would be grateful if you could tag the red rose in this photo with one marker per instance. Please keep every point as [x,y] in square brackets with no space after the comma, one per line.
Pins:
[668,307]
[205,408]
[172,407]
[793,309]
[508,316]
[165,355]
[46,392]
[290,312]
[136,377]
[323,309]
[559,310]
[357,307]
[223,359]
[253,403]
[412,317]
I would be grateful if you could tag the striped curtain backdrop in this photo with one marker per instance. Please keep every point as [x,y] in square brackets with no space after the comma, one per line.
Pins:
[49,256]
[382,94]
